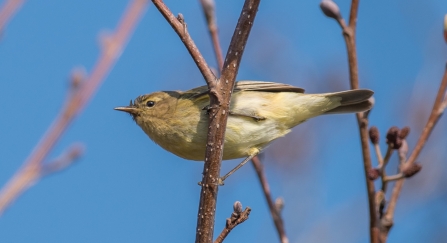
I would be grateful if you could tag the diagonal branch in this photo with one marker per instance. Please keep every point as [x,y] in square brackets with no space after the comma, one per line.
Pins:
[208,7]
[437,111]
[279,224]
[78,98]
[7,11]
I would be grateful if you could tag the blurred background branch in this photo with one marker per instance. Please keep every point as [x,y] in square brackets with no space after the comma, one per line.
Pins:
[7,10]
[79,94]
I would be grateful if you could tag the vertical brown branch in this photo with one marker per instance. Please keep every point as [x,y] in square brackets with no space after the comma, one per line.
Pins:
[220,94]
[279,223]
[112,48]
[220,97]
[349,35]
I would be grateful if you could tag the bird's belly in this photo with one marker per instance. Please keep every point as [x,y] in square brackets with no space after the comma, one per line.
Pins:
[244,136]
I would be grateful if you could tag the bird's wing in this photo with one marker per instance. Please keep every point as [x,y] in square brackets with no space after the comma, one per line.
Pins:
[246,86]
[266,87]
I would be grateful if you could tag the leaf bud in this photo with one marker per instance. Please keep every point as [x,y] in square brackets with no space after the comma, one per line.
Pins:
[373,174]
[411,170]
[237,207]
[404,132]
[330,9]
[374,135]
[393,139]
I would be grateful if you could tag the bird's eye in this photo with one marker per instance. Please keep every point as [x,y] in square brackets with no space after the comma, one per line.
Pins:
[150,103]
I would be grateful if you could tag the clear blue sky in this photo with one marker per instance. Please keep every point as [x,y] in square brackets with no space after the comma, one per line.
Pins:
[127,189]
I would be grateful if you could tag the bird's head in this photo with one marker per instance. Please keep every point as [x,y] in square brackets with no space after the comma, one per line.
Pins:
[150,107]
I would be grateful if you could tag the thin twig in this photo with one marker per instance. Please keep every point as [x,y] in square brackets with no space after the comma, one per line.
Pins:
[111,49]
[237,217]
[389,152]
[210,15]
[279,223]
[7,11]
[378,154]
[74,152]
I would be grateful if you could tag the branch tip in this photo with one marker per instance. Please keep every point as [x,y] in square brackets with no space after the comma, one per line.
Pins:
[374,135]
[411,170]
[404,132]
[237,207]
[330,9]
[393,139]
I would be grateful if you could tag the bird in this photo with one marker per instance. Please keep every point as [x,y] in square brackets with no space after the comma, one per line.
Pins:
[260,112]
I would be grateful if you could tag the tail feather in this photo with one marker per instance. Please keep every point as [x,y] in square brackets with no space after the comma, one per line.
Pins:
[352,101]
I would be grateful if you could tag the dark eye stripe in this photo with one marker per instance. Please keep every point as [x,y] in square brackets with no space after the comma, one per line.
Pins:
[150,103]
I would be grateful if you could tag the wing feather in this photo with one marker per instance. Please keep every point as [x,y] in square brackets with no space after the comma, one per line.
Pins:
[246,86]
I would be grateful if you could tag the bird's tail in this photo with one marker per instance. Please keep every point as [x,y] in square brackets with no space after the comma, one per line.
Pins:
[352,101]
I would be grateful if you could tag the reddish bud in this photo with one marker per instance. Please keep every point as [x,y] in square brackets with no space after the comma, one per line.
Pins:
[410,171]
[404,132]
[330,9]
[393,139]
[237,207]
[373,174]
[374,135]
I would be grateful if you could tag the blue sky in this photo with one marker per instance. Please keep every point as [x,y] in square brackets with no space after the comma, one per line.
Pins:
[127,189]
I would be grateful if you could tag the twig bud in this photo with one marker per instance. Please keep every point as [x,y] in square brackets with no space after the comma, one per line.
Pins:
[411,170]
[330,9]
[279,204]
[404,132]
[237,207]
[374,135]
[208,9]
[373,174]
[393,139]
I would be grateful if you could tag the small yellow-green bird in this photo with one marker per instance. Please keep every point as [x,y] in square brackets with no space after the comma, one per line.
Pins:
[260,112]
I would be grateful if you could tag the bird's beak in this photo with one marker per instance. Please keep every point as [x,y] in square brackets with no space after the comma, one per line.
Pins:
[129,109]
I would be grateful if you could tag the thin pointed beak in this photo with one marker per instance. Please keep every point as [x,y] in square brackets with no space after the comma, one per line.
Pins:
[129,109]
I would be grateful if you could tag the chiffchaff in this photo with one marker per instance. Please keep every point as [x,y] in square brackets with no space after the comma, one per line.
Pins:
[260,112]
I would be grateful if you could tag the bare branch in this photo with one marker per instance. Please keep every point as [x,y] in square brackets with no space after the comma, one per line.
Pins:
[237,217]
[279,223]
[436,112]
[72,155]
[7,11]
[77,99]
[210,15]
[220,95]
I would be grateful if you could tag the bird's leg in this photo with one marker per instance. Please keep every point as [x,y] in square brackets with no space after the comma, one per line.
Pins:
[220,181]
